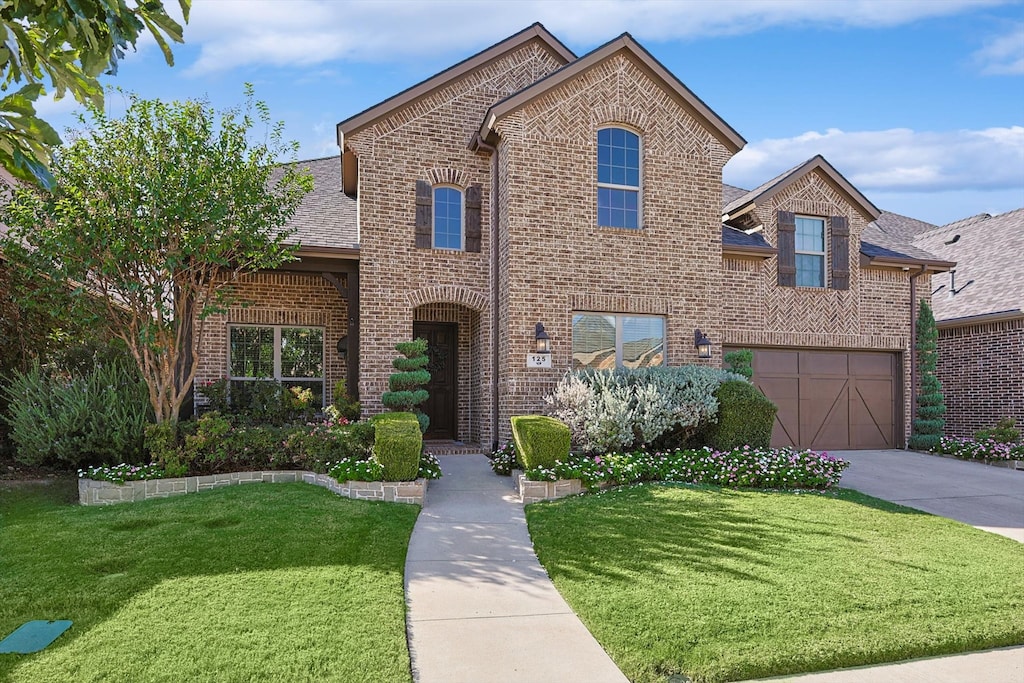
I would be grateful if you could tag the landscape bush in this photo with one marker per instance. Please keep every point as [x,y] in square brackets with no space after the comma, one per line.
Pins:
[1005,431]
[622,409]
[398,445]
[741,362]
[505,459]
[761,468]
[979,449]
[745,418]
[259,402]
[540,440]
[96,415]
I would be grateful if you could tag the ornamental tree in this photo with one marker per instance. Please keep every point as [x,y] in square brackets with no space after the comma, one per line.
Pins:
[65,44]
[152,219]
[406,386]
[927,429]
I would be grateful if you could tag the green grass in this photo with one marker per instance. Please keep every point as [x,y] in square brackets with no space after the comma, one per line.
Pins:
[283,582]
[726,585]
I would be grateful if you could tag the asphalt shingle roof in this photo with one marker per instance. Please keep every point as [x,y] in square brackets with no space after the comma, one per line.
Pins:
[737,238]
[891,236]
[989,253]
[327,216]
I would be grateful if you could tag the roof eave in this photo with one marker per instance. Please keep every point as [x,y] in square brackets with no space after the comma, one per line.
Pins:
[748,251]
[933,266]
[981,319]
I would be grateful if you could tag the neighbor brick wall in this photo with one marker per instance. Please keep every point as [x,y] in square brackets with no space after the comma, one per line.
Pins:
[429,140]
[278,299]
[555,260]
[981,368]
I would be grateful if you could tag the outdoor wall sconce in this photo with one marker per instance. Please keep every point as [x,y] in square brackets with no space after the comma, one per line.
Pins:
[343,347]
[702,343]
[543,340]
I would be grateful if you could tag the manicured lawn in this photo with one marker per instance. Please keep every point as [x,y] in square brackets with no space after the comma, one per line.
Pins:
[724,585]
[283,582]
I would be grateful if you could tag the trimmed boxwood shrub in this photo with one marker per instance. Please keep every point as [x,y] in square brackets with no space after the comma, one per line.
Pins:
[540,440]
[397,445]
[745,417]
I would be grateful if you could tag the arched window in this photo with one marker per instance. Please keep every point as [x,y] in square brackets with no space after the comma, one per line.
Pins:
[448,232]
[618,178]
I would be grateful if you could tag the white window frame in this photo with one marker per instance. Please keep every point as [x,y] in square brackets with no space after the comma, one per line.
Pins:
[618,332]
[462,217]
[823,254]
[277,356]
[638,188]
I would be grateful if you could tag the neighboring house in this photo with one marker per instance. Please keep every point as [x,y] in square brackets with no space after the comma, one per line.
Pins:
[527,185]
[979,307]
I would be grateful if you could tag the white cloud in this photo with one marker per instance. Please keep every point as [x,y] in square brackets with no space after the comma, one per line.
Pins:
[232,33]
[896,159]
[1003,55]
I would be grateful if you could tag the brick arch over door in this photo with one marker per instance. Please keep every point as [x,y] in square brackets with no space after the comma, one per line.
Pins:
[448,294]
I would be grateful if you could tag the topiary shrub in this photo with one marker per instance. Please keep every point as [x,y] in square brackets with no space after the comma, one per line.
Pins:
[406,386]
[745,418]
[741,362]
[540,440]
[931,406]
[397,445]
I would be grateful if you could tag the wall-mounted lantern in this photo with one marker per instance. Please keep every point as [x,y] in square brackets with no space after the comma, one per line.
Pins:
[702,343]
[543,340]
[343,347]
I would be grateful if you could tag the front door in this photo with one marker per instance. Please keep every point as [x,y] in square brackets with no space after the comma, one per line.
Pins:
[442,348]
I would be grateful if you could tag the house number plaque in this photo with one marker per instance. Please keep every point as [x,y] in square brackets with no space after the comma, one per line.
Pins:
[538,360]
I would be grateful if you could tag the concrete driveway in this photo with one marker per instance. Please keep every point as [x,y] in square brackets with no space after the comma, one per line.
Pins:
[990,498]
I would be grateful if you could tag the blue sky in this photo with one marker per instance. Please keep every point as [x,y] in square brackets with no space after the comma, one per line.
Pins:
[920,103]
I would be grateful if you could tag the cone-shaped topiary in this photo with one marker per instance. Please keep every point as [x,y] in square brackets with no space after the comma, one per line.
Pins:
[927,431]
[406,386]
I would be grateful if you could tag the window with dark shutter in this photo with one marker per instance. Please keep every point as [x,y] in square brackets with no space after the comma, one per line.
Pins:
[473,203]
[840,229]
[787,249]
[424,214]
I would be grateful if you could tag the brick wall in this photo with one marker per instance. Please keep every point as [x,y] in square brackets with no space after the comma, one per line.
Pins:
[981,368]
[279,299]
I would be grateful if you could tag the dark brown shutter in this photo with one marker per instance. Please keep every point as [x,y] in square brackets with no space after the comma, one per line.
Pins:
[473,217]
[424,214]
[840,229]
[787,249]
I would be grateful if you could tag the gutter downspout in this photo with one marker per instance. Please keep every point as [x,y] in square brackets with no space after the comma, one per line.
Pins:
[480,144]
[913,341]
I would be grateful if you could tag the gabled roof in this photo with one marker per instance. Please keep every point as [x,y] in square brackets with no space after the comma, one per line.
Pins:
[745,244]
[888,241]
[326,219]
[989,274]
[784,180]
[534,32]
[714,123]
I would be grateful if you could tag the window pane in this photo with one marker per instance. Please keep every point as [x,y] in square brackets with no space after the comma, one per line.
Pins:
[810,234]
[618,157]
[617,208]
[810,270]
[251,352]
[447,218]
[643,341]
[302,352]
[593,341]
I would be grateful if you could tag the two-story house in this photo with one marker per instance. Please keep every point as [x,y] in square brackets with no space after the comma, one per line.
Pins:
[527,185]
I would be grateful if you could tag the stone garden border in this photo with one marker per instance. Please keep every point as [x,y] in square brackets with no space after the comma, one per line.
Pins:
[535,491]
[93,492]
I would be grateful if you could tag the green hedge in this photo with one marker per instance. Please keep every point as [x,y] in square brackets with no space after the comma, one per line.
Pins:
[745,418]
[397,445]
[540,440]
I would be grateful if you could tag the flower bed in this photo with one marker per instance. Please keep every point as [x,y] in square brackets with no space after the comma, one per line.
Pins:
[96,492]
[987,450]
[745,467]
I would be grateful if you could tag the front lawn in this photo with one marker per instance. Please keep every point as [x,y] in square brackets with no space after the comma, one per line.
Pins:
[724,585]
[280,582]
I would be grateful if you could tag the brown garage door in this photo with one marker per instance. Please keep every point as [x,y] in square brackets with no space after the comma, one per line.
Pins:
[830,399]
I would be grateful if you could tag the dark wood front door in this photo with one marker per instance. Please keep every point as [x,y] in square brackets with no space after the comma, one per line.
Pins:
[442,406]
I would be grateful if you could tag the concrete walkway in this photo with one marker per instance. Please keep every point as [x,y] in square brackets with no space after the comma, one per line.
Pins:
[990,498]
[481,608]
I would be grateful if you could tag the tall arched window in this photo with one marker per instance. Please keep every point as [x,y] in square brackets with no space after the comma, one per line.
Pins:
[448,233]
[618,178]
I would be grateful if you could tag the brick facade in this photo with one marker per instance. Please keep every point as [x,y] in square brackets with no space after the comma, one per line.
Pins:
[981,368]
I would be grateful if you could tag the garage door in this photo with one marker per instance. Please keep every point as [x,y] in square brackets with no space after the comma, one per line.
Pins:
[830,400]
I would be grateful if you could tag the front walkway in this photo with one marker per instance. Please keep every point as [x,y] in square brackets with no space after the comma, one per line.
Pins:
[990,498]
[481,608]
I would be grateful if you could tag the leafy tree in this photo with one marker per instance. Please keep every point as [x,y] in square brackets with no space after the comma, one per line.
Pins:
[68,44]
[406,385]
[927,430]
[154,217]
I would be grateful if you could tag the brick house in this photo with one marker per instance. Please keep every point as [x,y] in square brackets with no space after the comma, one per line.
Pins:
[979,307]
[527,185]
